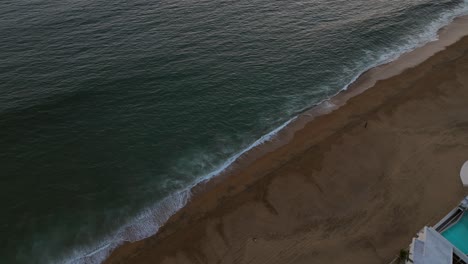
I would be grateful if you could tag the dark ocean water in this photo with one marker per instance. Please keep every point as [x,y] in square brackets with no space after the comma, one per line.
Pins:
[110,110]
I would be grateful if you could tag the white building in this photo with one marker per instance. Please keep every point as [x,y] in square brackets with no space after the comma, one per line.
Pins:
[431,247]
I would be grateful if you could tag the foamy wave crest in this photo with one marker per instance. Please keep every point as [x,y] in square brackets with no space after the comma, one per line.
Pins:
[148,222]
[428,34]
[145,224]
[258,142]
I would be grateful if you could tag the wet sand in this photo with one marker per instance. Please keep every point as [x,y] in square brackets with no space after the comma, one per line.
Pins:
[350,181]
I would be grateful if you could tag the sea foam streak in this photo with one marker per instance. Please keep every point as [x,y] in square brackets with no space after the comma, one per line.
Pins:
[151,219]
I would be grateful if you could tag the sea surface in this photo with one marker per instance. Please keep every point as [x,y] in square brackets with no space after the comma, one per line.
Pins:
[111,110]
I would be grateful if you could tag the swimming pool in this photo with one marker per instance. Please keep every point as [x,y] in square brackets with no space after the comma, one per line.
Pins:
[458,234]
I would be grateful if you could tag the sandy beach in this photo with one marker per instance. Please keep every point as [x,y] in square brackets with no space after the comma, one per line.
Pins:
[350,181]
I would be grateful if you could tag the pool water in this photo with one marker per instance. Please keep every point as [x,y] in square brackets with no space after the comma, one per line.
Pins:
[458,234]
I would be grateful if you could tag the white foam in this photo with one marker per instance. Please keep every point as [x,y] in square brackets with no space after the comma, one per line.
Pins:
[141,226]
[151,219]
[258,142]
[429,34]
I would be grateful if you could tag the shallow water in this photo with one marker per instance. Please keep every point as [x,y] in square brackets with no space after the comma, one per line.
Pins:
[108,109]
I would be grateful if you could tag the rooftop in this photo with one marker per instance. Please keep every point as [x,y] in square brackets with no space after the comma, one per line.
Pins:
[431,247]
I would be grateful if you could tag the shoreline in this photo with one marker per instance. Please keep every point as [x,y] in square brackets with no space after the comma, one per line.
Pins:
[204,192]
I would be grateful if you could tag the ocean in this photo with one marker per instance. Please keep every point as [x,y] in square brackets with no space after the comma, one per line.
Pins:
[111,111]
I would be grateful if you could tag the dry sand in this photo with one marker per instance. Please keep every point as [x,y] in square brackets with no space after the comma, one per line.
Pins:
[350,186]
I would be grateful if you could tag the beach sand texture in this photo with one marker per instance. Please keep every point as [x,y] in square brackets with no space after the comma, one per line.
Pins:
[351,186]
